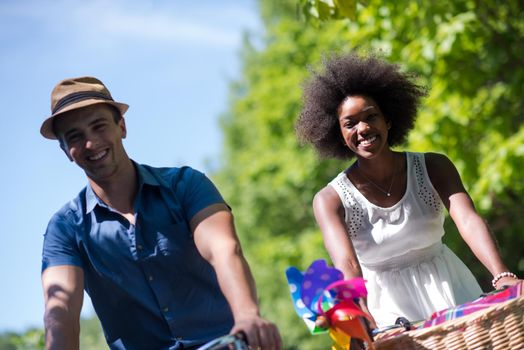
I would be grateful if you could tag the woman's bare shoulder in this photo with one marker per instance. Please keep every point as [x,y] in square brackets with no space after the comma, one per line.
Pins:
[327,197]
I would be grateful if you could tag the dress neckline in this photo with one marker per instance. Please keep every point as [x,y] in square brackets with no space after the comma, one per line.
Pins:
[394,206]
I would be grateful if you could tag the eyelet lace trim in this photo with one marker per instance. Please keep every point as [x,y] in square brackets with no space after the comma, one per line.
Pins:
[356,219]
[423,190]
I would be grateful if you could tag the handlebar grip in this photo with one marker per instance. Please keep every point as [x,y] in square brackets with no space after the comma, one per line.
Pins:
[242,336]
[237,340]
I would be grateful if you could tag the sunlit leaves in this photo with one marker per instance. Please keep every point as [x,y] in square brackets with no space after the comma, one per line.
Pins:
[317,11]
[468,54]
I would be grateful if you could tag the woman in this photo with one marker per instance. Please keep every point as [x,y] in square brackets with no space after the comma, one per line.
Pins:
[382,217]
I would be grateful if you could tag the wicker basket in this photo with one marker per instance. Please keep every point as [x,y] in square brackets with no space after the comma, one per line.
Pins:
[500,327]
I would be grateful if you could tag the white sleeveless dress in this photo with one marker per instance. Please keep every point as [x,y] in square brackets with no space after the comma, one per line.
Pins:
[408,271]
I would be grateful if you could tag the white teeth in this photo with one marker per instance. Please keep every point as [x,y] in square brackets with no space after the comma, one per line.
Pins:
[369,141]
[98,155]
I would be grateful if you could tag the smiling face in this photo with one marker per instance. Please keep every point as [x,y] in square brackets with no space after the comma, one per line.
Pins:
[363,126]
[92,138]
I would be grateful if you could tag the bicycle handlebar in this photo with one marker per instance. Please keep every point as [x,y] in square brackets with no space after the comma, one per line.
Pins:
[238,341]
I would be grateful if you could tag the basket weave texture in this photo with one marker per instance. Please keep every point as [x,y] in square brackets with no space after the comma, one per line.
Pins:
[500,327]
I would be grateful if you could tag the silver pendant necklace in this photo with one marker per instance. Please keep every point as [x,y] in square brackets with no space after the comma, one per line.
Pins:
[388,192]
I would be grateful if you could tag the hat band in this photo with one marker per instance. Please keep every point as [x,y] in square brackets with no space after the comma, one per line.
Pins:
[79,96]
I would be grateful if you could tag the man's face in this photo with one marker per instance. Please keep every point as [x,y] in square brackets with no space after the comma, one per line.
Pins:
[93,140]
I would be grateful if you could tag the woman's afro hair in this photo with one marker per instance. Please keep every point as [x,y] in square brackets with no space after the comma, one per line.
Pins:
[395,92]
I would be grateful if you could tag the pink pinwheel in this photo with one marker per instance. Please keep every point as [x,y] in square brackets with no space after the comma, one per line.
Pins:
[321,291]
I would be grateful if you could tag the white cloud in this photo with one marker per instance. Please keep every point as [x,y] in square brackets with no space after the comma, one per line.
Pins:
[205,23]
[159,24]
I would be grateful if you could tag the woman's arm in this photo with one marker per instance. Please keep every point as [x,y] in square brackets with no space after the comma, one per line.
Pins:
[329,214]
[473,229]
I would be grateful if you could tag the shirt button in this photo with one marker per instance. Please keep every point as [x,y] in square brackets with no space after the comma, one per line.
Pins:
[166,309]
[150,278]
[139,247]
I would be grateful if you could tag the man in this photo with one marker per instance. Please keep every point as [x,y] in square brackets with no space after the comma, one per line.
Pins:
[155,248]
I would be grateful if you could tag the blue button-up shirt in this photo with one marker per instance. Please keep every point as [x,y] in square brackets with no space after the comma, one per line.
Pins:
[149,286]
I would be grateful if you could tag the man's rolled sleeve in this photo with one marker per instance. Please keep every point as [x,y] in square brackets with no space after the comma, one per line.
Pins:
[60,246]
[197,192]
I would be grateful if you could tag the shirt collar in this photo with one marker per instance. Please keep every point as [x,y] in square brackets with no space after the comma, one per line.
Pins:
[92,200]
[144,177]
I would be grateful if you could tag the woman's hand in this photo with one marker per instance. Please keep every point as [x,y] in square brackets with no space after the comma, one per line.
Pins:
[371,320]
[506,281]
[322,322]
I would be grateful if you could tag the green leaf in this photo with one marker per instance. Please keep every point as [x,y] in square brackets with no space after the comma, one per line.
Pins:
[324,9]
[347,8]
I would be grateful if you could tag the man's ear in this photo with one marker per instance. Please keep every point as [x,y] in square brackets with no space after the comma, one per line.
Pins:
[62,146]
[122,125]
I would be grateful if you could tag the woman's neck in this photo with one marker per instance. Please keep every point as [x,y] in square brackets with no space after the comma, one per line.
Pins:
[379,168]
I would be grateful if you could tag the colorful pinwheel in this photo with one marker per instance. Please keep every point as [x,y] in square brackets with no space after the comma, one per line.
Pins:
[321,291]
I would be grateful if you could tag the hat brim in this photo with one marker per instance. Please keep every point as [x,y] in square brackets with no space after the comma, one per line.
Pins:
[47,126]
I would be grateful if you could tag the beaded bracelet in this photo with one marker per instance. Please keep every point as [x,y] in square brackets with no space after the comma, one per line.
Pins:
[502,275]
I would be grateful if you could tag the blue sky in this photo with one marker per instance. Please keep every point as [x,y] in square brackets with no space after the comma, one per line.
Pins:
[171,61]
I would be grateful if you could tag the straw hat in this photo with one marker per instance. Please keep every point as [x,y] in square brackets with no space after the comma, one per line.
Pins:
[75,93]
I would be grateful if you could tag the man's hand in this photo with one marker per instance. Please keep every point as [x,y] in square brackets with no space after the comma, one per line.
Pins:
[260,333]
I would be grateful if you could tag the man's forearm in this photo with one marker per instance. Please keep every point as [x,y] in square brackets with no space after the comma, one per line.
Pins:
[217,242]
[63,294]
[61,330]
[237,285]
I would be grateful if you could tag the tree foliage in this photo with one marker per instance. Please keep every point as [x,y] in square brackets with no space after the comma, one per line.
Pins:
[315,11]
[91,337]
[468,53]
[31,339]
